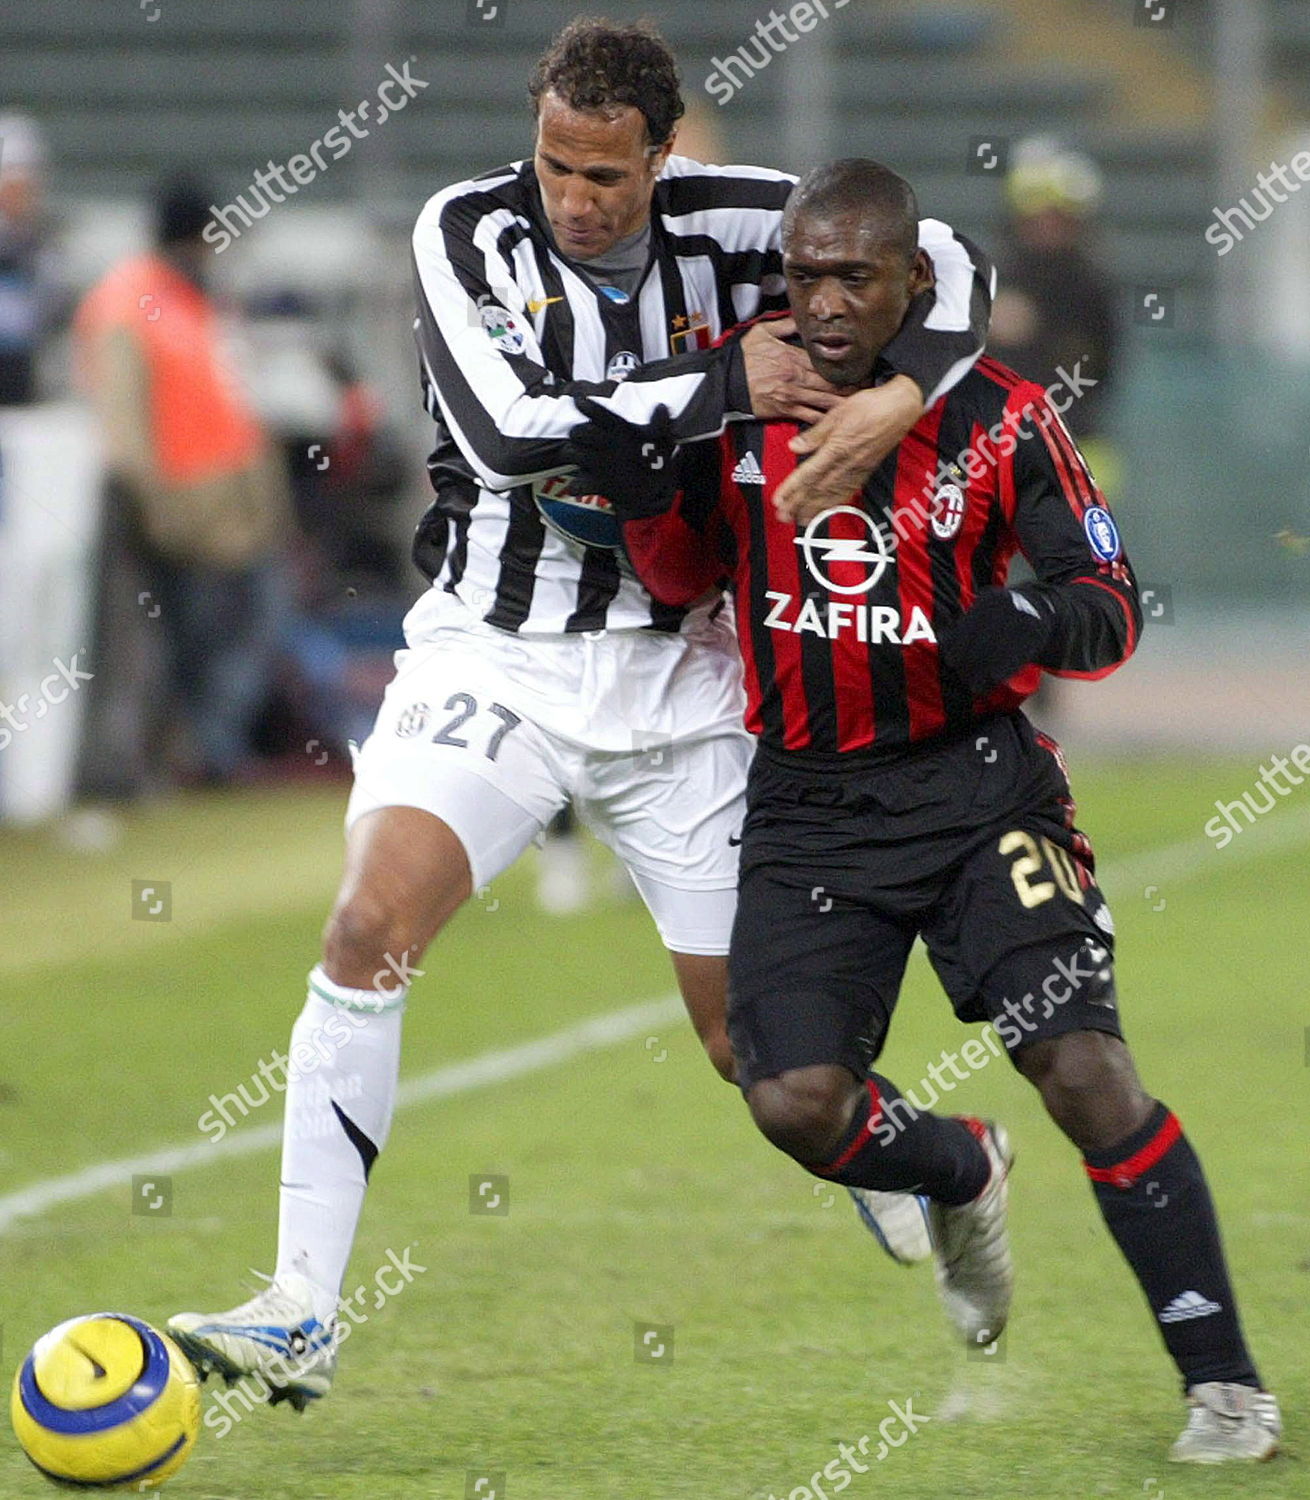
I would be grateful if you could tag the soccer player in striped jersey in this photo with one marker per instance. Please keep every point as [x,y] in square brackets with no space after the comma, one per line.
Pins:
[898,790]
[538,667]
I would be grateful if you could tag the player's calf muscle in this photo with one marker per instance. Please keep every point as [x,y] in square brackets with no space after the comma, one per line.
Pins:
[1089,1086]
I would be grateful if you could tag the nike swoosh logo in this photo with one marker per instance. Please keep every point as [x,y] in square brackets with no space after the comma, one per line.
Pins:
[535,304]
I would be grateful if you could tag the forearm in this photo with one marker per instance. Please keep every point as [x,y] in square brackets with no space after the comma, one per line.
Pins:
[673,560]
[523,438]
[1096,624]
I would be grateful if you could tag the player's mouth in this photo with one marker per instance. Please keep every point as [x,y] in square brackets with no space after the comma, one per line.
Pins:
[832,346]
[578,239]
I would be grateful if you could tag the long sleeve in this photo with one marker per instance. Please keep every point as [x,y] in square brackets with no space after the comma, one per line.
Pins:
[677,555]
[483,368]
[945,329]
[1067,533]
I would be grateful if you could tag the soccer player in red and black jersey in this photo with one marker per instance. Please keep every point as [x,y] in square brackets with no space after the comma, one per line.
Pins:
[898,790]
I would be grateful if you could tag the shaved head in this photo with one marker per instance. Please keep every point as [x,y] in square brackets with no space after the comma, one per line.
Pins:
[866,190]
[850,253]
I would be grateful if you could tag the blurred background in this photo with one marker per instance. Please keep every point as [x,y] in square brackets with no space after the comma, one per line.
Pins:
[160,631]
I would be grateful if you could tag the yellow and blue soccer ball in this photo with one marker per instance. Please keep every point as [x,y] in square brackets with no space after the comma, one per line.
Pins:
[106,1402]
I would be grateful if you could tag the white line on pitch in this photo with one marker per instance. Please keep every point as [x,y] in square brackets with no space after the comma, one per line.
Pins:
[1194,858]
[592,1035]
[1176,863]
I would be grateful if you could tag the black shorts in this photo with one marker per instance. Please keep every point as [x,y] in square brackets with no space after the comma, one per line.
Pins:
[969,844]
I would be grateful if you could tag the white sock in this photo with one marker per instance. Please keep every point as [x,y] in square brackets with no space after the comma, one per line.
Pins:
[345,1051]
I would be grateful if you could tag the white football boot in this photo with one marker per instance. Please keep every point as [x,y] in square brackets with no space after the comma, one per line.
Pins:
[1228,1422]
[898,1221]
[975,1275]
[274,1339]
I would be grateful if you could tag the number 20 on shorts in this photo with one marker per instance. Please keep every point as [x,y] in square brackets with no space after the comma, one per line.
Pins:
[1033,855]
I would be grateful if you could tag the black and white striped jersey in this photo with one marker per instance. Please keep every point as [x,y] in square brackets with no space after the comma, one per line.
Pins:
[510,331]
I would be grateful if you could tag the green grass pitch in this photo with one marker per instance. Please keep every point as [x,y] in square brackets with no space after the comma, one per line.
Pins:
[638,1192]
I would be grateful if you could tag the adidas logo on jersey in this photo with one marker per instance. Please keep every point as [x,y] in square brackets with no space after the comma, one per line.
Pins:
[748,471]
[1189,1305]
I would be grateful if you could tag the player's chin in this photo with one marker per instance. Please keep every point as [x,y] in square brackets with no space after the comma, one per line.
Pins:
[839,362]
[587,244]
[847,373]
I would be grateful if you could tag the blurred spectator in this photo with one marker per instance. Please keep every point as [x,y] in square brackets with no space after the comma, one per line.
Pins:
[348,474]
[1055,305]
[196,519]
[346,465]
[29,299]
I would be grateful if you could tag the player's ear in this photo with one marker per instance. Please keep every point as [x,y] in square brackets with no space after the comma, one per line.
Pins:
[656,156]
[921,273]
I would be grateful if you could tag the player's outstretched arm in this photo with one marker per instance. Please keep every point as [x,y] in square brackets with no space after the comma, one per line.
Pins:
[944,332]
[483,371]
[1082,616]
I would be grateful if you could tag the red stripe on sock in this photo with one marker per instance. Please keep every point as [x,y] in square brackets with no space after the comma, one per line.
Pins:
[862,1136]
[1125,1173]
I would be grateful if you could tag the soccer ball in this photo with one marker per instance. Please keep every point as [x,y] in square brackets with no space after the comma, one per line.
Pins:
[106,1402]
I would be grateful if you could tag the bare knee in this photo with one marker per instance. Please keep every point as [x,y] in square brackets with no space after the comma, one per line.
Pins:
[406,874]
[368,943]
[1089,1086]
[805,1112]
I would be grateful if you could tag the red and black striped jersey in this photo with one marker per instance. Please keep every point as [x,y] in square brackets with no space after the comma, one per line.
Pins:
[839,622]
[511,333]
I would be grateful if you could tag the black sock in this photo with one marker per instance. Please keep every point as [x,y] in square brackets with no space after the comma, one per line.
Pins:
[1153,1196]
[892,1146]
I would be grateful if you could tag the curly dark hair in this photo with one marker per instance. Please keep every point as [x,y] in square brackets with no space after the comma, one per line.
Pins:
[595,64]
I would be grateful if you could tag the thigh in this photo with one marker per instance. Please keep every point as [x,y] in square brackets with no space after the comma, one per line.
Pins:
[673,814]
[1022,935]
[449,739]
[813,977]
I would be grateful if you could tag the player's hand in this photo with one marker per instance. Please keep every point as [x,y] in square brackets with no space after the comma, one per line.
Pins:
[783,383]
[845,447]
[1004,630]
[631,465]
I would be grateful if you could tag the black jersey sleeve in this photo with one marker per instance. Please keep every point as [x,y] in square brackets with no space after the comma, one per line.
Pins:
[1064,528]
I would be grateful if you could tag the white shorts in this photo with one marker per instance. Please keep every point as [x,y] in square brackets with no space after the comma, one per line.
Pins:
[642,730]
